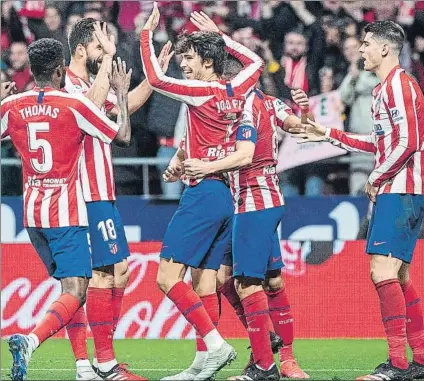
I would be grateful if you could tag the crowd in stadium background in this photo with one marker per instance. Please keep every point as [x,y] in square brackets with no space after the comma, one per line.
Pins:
[311,45]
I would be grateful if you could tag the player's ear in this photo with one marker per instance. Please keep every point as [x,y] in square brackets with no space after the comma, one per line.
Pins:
[385,50]
[208,62]
[80,50]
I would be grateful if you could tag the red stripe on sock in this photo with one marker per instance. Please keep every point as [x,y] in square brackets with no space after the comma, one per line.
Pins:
[257,316]
[190,305]
[100,318]
[414,322]
[393,313]
[282,320]
[58,315]
[77,333]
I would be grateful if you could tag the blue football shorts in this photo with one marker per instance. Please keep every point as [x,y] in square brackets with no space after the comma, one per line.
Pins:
[394,225]
[64,251]
[199,234]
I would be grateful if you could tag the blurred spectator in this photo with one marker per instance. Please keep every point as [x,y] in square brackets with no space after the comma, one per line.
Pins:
[356,92]
[294,70]
[326,79]
[19,65]
[13,29]
[418,61]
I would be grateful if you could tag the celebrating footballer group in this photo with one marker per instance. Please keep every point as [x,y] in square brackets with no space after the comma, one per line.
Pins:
[225,228]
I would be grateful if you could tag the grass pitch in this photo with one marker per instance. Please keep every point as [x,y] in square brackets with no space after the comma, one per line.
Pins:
[154,359]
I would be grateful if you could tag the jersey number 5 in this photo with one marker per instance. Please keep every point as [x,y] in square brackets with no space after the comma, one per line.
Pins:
[34,144]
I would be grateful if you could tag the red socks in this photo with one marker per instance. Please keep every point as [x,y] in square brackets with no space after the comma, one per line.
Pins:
[414,322]
[190,305]
[228,289]
[100,318]
[77,333]
[117,295]
[257,315]
[58,315]
[282,319]
[393,313]
[211,304]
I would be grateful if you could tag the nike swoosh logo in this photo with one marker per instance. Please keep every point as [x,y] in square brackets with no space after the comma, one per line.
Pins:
[275,259]
[379,243]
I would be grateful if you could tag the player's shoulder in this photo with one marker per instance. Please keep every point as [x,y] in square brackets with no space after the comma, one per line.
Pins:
[11,99]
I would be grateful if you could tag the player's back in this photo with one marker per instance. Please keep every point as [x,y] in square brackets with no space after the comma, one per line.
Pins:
[256,186]
[44,128]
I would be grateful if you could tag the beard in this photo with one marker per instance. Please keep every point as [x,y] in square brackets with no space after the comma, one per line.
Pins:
[92,66]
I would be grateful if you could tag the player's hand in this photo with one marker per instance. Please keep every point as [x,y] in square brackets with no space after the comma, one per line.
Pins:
[7,88]
[371,192]
[300,98]
[310,132]
[203,22]
[120,79]
[107,42]
[153,20]
[165,56]
[196,168]
[172,173]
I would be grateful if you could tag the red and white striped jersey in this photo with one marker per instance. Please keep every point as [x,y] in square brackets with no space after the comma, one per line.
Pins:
[397,138]
[48,129]
[214,108]
[98,182]
[256,186]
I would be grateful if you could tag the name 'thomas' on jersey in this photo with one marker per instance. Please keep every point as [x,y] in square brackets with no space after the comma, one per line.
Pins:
[214,108]
[48,128]
[256,186]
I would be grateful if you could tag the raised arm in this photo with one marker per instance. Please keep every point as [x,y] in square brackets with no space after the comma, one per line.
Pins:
[244,81]
[99,89]
[405,131]
[95,123]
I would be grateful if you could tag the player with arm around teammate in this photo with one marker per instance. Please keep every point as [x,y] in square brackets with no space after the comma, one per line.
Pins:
[259,207]
[395,186]
[200,232]
[48,128]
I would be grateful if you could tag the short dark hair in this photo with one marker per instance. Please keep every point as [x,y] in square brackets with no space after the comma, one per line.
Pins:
[206,45]
[81,33]
[232,67]
[387,30]
[45,55]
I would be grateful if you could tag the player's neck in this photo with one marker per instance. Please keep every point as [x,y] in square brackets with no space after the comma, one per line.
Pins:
[79,69]
[385,68]
[44,84]
[209,77]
